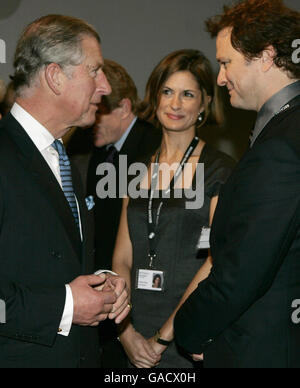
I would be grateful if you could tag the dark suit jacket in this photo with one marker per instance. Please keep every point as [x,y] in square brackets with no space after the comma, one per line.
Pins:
[40,252]
[142,142]
[241,316]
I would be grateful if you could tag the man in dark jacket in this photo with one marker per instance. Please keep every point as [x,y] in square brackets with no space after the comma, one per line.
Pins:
[243,314]
[47,291]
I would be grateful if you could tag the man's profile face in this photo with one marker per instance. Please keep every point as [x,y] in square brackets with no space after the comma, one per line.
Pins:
[87,84]
[237,74]
[108,126]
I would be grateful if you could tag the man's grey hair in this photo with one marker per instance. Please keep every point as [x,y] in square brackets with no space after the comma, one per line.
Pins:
[50,39]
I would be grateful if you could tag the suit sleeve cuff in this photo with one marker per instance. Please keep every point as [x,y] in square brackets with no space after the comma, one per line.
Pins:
[67,318]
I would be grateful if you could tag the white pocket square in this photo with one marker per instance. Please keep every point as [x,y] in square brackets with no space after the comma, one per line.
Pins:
[90,203]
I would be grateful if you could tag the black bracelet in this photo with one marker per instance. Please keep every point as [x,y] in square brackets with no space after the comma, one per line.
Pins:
[161,341]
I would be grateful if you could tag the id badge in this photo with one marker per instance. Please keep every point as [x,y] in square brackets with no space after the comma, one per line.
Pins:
[203,242]
[150,280]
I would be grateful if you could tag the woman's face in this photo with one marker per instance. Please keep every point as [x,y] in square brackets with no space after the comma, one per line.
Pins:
[180,102]
[157,282]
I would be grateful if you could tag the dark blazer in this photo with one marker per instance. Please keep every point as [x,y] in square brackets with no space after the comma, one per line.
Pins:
[40,252]
[142,141]
[241,316]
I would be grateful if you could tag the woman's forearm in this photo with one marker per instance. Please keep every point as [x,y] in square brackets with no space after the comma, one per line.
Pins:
[167,330]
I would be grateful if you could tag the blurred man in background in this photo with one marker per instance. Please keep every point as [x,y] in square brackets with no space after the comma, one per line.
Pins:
[117,132]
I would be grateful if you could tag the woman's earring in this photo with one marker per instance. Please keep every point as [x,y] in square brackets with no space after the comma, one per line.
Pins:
[200,117]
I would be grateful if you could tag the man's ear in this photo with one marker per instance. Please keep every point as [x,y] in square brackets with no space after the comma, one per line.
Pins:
[267,58]
[126,107]
[53,78]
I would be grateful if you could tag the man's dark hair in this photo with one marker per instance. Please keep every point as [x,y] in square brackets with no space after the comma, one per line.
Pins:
[258,24]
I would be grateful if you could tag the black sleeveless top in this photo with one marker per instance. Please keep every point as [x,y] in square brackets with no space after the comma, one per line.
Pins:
[178,231]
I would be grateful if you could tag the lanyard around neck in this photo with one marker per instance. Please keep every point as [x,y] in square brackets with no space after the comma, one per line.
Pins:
[152,228]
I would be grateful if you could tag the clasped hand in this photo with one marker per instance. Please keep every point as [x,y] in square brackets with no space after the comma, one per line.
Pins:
[142,352]
[97,298]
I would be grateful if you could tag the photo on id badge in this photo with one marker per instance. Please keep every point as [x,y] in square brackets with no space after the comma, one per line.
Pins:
[150,280]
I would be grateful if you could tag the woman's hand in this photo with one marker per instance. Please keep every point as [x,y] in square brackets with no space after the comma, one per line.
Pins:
[138,349]
[158,348]
[197,357]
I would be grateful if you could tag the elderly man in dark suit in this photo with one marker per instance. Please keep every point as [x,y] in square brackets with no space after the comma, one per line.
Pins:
[46,250]
[242,315]
[117,132]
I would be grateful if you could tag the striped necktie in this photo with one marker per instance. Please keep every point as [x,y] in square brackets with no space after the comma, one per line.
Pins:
[66,178]
[111,154]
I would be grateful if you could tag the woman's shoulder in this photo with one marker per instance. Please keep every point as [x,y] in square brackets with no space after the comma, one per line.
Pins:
[213,156]
[218,167]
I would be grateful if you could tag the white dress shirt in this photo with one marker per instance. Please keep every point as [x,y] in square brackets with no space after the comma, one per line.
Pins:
[43,140]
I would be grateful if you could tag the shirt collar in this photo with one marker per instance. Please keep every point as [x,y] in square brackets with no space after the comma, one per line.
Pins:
[119,144]
[275,105]
[40,136]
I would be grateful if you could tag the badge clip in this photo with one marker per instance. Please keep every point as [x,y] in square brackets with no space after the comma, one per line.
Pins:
[152,257]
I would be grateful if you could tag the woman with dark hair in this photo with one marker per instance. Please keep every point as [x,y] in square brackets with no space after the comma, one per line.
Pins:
[159,232]
[195,63]
[157,281]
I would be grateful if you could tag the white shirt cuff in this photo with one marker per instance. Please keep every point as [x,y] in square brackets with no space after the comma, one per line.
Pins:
[105,271]
[67,318]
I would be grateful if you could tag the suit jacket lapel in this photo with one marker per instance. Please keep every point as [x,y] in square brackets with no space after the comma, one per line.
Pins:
[42,175]
[293,104]
[78,189]
[131,145]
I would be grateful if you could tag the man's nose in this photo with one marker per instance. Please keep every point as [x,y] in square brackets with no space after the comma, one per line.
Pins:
[103,85]
[222,80]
